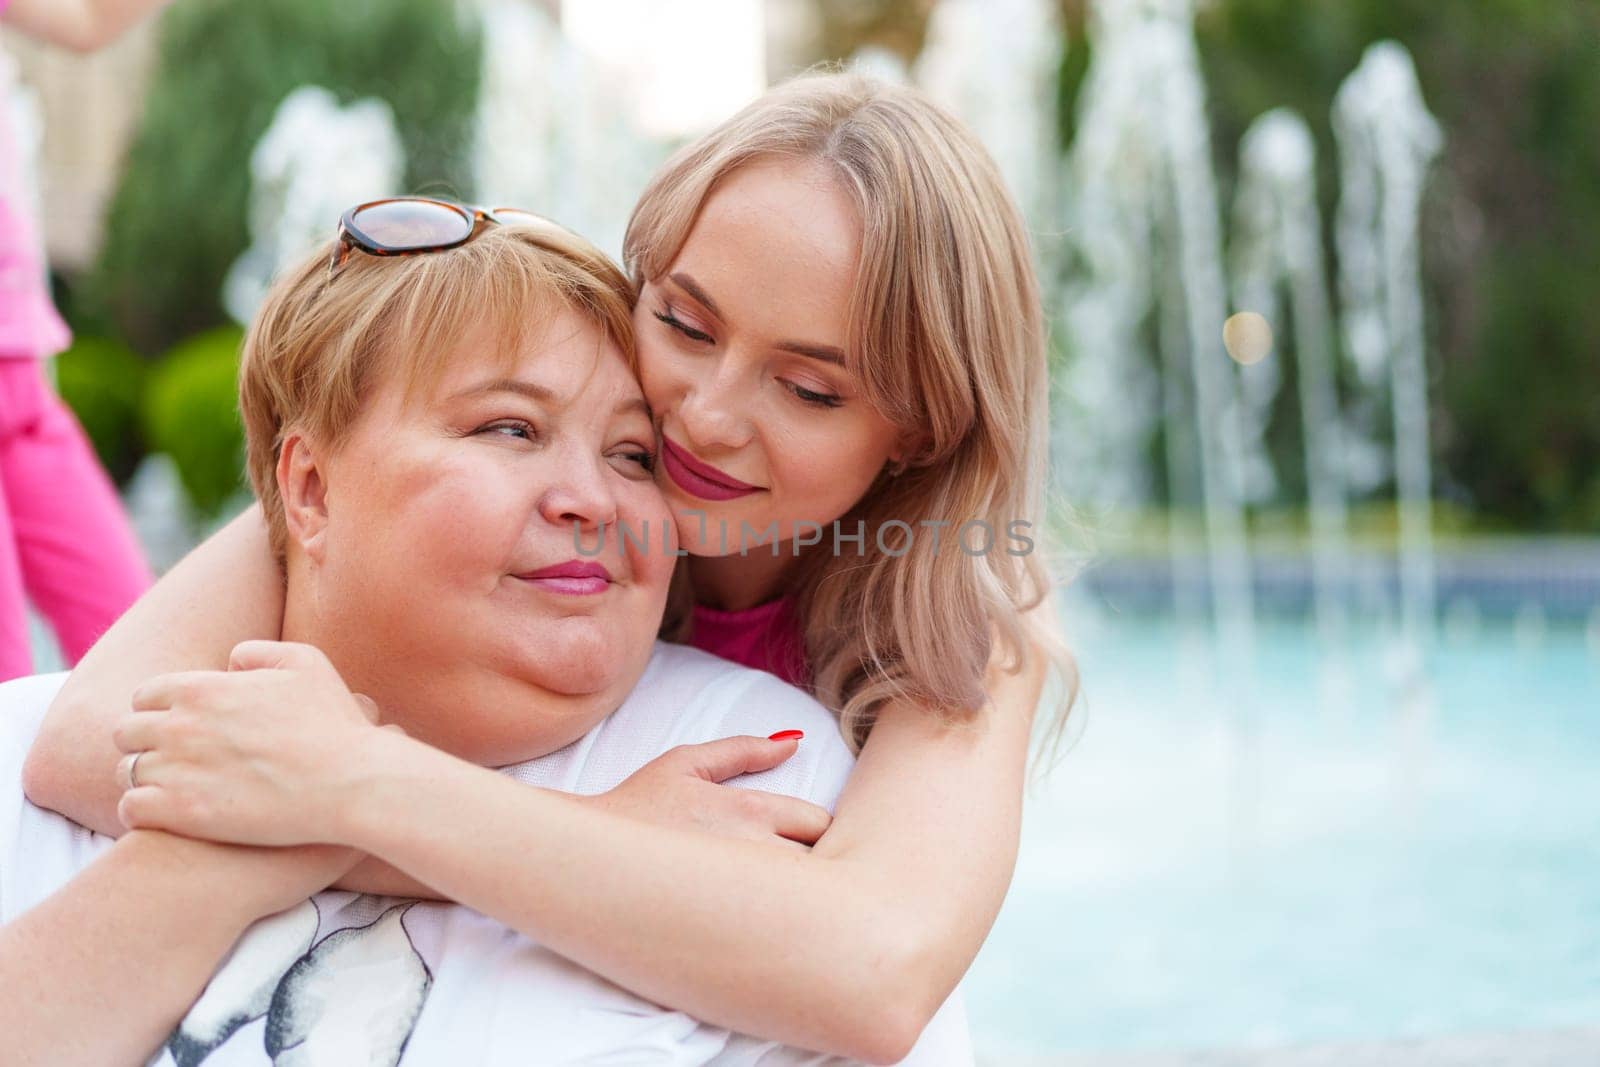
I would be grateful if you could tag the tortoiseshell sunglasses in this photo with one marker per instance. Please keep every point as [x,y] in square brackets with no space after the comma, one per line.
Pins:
[411,225]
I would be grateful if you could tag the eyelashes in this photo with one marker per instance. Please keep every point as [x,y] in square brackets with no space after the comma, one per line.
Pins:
[806,396]
[666,316]
[524,431]
[809,396]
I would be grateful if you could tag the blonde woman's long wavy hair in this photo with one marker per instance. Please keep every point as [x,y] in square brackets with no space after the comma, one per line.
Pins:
[947,337]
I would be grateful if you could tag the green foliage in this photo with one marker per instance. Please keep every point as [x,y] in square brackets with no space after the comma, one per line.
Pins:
[1511,227]
[190,413]
[177,221]
[102,381]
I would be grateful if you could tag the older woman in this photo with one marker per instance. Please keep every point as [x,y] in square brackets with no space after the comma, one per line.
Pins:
[426,435]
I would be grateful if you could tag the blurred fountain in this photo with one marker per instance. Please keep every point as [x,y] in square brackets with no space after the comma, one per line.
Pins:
[996,64]
[1142,195]
[1277,248]
[878,62]
[1142,192]
[554,133]
[1387,139]
[159,511]
[1529,627]
[315,160]
[524,58]
[1108,398]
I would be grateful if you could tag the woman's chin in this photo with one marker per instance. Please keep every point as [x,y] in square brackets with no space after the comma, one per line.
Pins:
[578,656]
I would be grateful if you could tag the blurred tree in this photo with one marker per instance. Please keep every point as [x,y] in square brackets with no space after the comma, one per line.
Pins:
[896,25]
[177,220]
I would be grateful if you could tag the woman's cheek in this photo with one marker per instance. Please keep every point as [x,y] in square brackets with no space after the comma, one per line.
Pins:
[652,537]
[656,376]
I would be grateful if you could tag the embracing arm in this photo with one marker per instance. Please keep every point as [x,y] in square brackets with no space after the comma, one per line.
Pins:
[102,969]
[849,947]
[81,25]
[226,591]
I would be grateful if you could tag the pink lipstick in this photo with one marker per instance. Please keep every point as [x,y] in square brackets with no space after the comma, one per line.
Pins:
[576,577]
[700,479]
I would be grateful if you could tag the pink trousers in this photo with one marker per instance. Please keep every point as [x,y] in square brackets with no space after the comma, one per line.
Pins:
[65,543]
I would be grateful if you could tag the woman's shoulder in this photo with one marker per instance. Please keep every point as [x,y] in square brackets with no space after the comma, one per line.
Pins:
[709,698]
[703,685]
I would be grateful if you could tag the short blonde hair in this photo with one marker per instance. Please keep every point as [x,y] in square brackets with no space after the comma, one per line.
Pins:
[947,337]
[320,342]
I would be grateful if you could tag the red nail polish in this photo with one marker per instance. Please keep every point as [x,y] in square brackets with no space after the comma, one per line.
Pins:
[787,735]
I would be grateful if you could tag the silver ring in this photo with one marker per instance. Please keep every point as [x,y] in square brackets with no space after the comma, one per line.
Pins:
[133,769]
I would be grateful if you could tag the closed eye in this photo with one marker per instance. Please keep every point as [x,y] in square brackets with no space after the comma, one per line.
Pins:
[811,396]
[666,316]
[646,460]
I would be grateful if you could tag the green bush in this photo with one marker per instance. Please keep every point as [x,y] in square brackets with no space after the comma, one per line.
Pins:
[102,381]
[177,220]
[191,414]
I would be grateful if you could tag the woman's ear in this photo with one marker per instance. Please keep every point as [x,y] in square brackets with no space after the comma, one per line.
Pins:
[303,489]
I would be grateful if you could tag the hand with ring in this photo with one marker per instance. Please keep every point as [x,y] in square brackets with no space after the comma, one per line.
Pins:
[259,754]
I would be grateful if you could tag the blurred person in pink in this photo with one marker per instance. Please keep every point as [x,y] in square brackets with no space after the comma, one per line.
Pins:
[64,541]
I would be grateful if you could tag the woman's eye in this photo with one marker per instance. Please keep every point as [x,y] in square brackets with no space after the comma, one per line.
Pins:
[811,396]
[645,461]
[519,430]
[666,316]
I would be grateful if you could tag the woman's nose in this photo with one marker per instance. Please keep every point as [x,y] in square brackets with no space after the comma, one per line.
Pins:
[715,410]
[580,496]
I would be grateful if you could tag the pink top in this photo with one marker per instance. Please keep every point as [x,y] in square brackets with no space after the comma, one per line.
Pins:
[766,637]
[29,325]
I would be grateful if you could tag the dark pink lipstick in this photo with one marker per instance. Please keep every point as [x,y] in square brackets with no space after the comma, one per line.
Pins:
[576,577]
[700,479]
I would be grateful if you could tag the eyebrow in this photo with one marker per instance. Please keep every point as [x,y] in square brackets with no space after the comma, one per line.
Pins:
[507,385]
[826,353]
[694,290]
[543,395]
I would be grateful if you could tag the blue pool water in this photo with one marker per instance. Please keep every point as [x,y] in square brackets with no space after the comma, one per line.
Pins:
[1356,878]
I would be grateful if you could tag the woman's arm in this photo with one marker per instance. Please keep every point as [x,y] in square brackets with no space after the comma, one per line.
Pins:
[850,947]
[852,954]
[101,971]
[226,591]
[81,25]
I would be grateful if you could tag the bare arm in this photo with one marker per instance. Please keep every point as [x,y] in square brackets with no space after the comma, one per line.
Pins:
[102,970]
[226,591]
[848,948]
[81,25]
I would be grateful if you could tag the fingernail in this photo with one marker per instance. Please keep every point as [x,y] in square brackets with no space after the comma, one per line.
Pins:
[786,735]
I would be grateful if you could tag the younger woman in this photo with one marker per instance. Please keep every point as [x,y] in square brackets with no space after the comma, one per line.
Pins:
[838,323]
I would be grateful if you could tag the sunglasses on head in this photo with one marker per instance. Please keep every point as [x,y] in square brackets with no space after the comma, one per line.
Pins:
[412,225]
